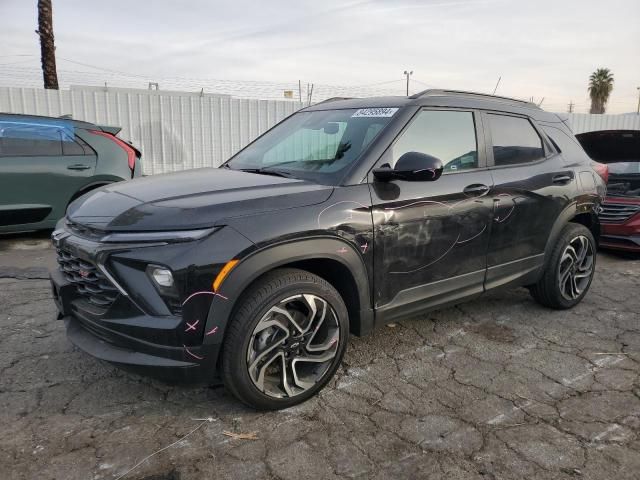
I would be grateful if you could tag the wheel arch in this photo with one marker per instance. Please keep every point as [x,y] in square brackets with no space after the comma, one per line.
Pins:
[583,214]
[589,220]
[334,260]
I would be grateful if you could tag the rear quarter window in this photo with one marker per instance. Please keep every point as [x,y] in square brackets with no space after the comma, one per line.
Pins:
[566,144]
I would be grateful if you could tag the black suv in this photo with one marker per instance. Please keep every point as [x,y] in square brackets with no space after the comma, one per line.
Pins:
[345,216]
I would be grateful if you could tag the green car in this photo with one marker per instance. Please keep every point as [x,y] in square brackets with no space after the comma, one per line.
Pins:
[46,163]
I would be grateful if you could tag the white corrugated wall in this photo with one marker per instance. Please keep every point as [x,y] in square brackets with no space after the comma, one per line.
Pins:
[180,130]
[174,130]
[585,122]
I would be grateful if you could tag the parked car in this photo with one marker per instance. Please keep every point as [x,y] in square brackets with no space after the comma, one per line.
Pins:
[348,215]
[45,163]
[619,150]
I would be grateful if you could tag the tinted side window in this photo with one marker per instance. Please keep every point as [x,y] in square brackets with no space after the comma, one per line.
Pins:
[447,135]
[514,140]
[29,140]
[74,146]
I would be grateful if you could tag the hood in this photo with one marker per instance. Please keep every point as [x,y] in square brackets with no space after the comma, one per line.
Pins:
[191,199]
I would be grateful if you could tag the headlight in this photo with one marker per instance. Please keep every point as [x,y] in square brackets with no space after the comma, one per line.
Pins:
[167,236]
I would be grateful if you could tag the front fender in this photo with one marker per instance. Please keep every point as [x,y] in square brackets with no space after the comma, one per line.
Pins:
[261,261]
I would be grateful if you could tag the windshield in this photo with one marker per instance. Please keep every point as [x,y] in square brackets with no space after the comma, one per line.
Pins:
[318,146]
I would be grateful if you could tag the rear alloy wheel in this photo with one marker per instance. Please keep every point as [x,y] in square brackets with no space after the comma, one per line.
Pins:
[570,269]
[576,268]
[286,340]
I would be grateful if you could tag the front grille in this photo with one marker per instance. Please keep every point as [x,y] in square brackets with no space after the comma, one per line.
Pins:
[90,283]
[617,212]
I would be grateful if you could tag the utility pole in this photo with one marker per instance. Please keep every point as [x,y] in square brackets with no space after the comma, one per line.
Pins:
[638,112]
[47,47]
[408,74]
[570,110]
[310,95]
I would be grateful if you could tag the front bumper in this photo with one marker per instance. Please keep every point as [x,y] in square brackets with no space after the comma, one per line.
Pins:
[133,325]
[194,364]
[621,236]
[628,243]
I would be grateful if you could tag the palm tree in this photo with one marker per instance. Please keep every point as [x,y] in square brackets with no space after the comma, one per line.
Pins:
[600,86]
[47,48]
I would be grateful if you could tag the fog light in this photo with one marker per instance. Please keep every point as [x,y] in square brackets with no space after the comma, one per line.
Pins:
[162,277]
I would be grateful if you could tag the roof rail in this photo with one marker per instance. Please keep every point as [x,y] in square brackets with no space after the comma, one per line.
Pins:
[334,99]
[435,91]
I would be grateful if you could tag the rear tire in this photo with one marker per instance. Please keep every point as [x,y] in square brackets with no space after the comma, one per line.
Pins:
[569,270]
[285,341]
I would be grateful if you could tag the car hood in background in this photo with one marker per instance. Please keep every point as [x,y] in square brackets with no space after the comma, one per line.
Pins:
[610,146]
[620,149]
[191,199]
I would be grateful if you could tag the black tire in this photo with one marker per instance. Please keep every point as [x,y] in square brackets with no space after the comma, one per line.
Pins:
[548,290]
[257,302]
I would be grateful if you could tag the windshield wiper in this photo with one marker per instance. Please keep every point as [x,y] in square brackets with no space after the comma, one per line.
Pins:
[303,163]
[262,171]
[270,169]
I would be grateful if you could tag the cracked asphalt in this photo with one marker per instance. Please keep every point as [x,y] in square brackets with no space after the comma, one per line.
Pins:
[498,388]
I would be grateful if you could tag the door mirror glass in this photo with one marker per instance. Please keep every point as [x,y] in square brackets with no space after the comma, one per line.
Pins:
[412,167]
[331,128]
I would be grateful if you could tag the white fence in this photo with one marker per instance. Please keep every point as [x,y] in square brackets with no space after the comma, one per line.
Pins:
[585,122]
[174,130]
[181,130]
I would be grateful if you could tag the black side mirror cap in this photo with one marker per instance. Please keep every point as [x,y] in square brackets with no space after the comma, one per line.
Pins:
[412,167]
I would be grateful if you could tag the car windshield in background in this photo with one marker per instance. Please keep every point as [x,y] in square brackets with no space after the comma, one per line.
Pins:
[318,145]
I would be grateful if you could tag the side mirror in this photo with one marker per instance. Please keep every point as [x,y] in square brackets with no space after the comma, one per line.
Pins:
[331,128]
[412,167]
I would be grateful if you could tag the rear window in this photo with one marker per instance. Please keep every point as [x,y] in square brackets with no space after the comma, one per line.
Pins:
[515,141]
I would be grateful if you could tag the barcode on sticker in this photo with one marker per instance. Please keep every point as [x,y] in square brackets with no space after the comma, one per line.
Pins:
[375,112]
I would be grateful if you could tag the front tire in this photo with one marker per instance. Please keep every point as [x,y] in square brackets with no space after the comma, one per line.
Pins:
[569,271]
[285,341]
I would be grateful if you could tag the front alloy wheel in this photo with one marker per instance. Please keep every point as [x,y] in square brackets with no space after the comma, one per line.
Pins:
[285,341]
[293,346]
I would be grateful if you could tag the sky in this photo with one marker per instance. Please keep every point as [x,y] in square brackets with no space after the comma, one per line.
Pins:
[541,49]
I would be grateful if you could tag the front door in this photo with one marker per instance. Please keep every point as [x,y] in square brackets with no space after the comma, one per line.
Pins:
[431,237]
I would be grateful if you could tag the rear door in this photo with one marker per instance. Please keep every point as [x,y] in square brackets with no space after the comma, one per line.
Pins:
[531,187]
[42,164]
[431,238]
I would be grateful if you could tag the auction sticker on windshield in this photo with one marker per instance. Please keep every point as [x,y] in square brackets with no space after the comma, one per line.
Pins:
[374,112]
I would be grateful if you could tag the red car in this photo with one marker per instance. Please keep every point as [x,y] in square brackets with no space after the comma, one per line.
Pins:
[619,150]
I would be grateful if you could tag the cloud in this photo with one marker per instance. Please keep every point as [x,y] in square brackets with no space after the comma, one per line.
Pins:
[542,49]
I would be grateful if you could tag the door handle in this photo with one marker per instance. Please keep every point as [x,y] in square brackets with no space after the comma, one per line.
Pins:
[475,189]
[78,166]
[561,179]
